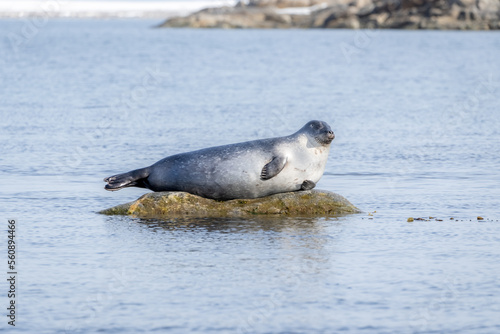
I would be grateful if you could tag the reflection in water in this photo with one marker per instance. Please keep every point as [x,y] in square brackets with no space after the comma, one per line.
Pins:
[241,225]
[289,257]
[300,244]
[298,235]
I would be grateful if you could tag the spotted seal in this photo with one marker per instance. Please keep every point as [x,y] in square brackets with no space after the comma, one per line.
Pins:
[245,170]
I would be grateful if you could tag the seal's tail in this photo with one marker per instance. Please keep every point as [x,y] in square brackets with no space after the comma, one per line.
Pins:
[135,178]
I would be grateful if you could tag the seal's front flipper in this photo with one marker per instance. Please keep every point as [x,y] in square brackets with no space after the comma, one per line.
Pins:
[307,185]
[273,168]
[135,178]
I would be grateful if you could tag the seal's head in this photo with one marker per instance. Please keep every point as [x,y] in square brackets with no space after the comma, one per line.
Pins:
[320,131]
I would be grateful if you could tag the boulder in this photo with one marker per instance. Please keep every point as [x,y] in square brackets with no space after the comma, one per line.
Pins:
[173,204]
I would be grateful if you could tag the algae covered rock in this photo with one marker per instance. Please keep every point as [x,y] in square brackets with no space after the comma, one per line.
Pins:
[176,204]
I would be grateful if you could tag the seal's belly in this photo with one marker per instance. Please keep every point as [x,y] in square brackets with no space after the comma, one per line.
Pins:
[239,177]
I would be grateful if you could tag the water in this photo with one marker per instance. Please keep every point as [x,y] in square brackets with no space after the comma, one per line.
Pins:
[416,117]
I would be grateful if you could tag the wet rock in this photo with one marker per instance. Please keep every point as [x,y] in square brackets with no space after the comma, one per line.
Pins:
[177,204]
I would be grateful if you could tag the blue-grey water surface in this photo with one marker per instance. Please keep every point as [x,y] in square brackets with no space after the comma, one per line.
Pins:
[417,122]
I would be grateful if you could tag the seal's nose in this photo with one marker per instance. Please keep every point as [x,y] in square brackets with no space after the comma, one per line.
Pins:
[331,135]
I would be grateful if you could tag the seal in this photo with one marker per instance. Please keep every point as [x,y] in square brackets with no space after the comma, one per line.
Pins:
[245,170]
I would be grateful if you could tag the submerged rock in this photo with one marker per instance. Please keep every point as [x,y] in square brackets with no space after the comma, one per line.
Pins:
[175,204]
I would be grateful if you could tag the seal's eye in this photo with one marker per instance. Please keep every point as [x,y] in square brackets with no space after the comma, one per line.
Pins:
[316,126]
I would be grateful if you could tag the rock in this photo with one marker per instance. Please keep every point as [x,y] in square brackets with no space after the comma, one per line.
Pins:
[181,204]
[286,3]
[352,14]
[231,17]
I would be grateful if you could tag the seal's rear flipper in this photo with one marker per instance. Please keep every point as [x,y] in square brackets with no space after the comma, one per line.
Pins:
[135,178]
[307,185]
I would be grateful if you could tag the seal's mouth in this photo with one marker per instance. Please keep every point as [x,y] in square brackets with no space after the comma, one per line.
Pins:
[326,138]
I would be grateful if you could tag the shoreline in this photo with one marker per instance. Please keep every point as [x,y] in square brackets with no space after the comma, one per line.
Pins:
[346,14]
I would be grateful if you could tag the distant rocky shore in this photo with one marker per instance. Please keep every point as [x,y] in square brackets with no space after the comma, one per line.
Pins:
[350,14]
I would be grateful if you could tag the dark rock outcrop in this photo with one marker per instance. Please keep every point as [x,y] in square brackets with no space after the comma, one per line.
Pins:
[355,14]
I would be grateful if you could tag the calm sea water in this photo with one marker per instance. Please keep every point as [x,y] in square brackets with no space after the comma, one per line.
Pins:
[417,123]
